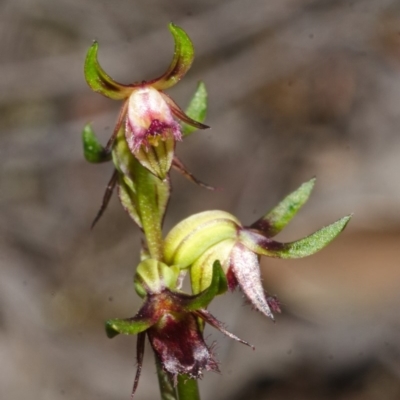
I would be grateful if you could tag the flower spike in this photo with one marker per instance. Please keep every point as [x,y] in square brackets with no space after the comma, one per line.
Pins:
[99,81]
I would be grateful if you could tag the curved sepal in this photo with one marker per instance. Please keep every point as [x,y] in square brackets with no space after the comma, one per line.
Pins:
[273,222]
[197,109]
[181,62]
[99,81]
[93,151]
[298,249]
[180,114]
[218,286]
[129,326]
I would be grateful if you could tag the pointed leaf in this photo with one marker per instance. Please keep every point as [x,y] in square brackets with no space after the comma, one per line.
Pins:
[181,62]
[197,109]
[218,285]
[93,151]
[298,249]
[129,326]
[273,222]
[99,81]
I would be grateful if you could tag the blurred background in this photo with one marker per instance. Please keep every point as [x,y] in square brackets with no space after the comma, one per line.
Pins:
[297,88]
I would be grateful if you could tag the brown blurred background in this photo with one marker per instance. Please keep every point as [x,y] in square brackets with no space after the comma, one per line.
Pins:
[297,88]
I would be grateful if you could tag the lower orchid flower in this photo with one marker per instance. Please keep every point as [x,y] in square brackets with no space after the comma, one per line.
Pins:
[171,321]
[204,237]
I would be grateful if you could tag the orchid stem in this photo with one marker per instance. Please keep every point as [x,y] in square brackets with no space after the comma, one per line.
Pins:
[167,389]
[187,388]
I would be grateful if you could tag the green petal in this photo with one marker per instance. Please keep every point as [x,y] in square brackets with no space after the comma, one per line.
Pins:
[99,81]
[92,149]
[181,62]
[130,326]
[273,222]
[298,249]
[197,109]
[218,286]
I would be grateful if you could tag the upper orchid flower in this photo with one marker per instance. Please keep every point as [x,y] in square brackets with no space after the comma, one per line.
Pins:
[217,235]
[148,116]
[170,318]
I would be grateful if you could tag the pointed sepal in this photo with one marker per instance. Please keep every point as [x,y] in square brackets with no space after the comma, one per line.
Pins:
[273,222]
[298,249]
[181,62]
[99,81]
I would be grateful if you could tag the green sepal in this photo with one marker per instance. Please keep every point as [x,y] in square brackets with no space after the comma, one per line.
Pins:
[93,151]
[129,326]
[197,109]
[218,285]
[298,249]
[99,81]
[128,198]
[273,222]
[153,276]
[181,62]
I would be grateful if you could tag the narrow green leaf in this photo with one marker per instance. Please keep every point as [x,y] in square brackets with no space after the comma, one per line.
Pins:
[93,151]
[273,222]
[129,326]
[218,285]
[197,109]
[181,62]
[99,81]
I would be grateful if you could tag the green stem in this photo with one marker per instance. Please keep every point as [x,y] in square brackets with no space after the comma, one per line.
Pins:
[188,389]
[149,211]
[167,389]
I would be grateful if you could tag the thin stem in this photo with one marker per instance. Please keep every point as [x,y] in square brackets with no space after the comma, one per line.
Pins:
[167,389]
[188,389]
[149,213]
